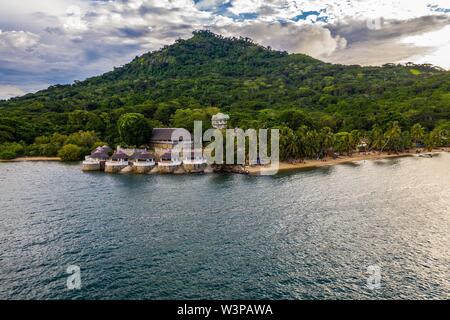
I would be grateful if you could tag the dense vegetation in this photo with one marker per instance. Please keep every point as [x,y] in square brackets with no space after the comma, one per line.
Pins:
[316,105]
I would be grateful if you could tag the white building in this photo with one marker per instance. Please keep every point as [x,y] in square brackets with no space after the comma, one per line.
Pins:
[219,121]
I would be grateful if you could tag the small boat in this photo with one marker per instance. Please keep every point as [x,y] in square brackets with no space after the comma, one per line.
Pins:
[426,155]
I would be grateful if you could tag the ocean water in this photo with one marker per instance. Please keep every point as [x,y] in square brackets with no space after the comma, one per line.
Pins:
[315,234]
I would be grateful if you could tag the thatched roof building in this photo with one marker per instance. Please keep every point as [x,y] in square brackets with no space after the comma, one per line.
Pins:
[120,155]
[99,154]
[162,139]
[167,156]
[142,155]
[105,148]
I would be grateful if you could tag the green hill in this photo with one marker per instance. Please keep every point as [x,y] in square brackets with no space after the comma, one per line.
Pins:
[256,86]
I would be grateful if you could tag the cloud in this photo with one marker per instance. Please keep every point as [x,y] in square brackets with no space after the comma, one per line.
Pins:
[210,5]
[7,92]
[313,40]
[14,41]
[386,44]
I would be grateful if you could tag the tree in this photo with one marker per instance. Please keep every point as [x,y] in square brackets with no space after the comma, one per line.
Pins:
[11,150]
[343,142]
[84,139]
[294,118]
[70,152]
[326,137]
[312,144]
[288,144]
[134,129]
[85,120]
[355,138]
[417,133]
[184,118]
[377,140]
[393,136]
[436,138]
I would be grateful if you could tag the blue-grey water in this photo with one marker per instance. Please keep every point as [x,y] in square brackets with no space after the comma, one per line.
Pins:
[304,235]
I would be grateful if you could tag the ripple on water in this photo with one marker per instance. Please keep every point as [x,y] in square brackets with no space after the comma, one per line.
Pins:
[303,235]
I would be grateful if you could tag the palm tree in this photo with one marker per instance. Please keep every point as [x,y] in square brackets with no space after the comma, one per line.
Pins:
[355,138]
[292,147]
[312,144]
[417,133]
[436,138]
[327,140]
[288,144]
[301,134]
[393,136]
[343,142]
[377,138]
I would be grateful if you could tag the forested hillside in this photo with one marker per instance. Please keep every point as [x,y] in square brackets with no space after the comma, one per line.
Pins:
[257,86]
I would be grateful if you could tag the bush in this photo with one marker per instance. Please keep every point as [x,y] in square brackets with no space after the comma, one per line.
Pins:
[70,152]
[84,139]
[11,150]
[7,155]
[47,146]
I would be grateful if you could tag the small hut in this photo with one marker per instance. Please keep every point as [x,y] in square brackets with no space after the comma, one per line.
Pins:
[105,149]
[168,163]
[143,161]
[118,162]
[95,161]
[120,156]
[363,145]
[194,162]
[143,156]
[99,154]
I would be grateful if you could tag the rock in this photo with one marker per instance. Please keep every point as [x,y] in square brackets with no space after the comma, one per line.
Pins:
[208,169]
[154,170]
[179,170]
[127,169]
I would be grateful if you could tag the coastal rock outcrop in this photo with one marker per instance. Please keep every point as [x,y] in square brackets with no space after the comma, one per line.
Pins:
[127,169]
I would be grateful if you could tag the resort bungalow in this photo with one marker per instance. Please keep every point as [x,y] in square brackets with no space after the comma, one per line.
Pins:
[142,161]
[169,164]
[96,160]
[220,120]
[363,145]
[193,163]
[119,161]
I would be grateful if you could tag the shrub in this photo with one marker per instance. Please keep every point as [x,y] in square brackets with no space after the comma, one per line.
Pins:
[70,152]
[7,155]
[11,150]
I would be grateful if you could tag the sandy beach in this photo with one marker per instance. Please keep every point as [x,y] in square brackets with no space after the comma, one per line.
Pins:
[22,159]
[284,166]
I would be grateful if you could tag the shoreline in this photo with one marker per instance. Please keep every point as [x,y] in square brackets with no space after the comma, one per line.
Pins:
[311,164]
[285,166]
[31,159]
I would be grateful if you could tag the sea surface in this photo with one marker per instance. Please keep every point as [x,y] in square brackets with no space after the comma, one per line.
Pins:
[366,230]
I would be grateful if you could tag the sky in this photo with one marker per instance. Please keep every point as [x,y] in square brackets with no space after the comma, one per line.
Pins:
[49,42]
